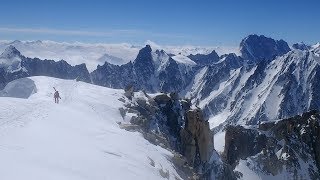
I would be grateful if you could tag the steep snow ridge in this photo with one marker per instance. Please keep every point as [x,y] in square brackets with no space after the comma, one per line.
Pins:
[223,87]
[259,94]
[183,60]
[76,139]
[260,98]
[281,88]
[221,117]
[196,84]
[160,59]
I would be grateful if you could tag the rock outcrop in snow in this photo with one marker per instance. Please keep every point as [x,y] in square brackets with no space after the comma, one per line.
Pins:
[196,138]
[170,122]
[288,148]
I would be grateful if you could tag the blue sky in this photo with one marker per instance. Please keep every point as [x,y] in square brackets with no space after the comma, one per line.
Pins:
[167,22]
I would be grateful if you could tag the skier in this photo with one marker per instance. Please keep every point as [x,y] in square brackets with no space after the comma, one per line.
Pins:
[56,96]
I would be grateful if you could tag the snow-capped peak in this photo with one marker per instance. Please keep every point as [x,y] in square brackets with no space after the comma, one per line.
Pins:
[10,59]
[10,52]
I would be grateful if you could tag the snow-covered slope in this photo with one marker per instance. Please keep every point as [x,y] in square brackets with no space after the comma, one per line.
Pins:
[183,60]
[76,139]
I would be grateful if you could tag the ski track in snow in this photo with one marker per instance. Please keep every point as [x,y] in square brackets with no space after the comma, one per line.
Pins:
[76,139]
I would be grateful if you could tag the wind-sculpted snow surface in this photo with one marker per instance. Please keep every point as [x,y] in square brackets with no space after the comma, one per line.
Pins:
[76,139]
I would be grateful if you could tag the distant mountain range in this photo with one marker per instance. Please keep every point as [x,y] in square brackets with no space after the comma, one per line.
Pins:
[268,78]
[96,54]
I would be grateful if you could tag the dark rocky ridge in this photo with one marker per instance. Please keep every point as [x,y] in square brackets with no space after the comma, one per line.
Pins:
[150,71]
[20,66]
[260,48]
[301,46]
[203,59]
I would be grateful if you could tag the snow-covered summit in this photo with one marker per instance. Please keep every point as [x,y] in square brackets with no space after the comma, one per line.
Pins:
[10,59]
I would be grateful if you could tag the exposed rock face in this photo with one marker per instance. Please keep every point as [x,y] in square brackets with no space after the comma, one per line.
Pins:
[301,46]
[128,92]
[241,143]
[185,129]
[145,68]
[287,148]
[196,137]
[60,69]
[114,76]
[168,121]
[151,71]
[260,48]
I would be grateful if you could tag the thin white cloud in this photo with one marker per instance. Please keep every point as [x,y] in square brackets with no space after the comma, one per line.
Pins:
[106,33]
[69,32]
